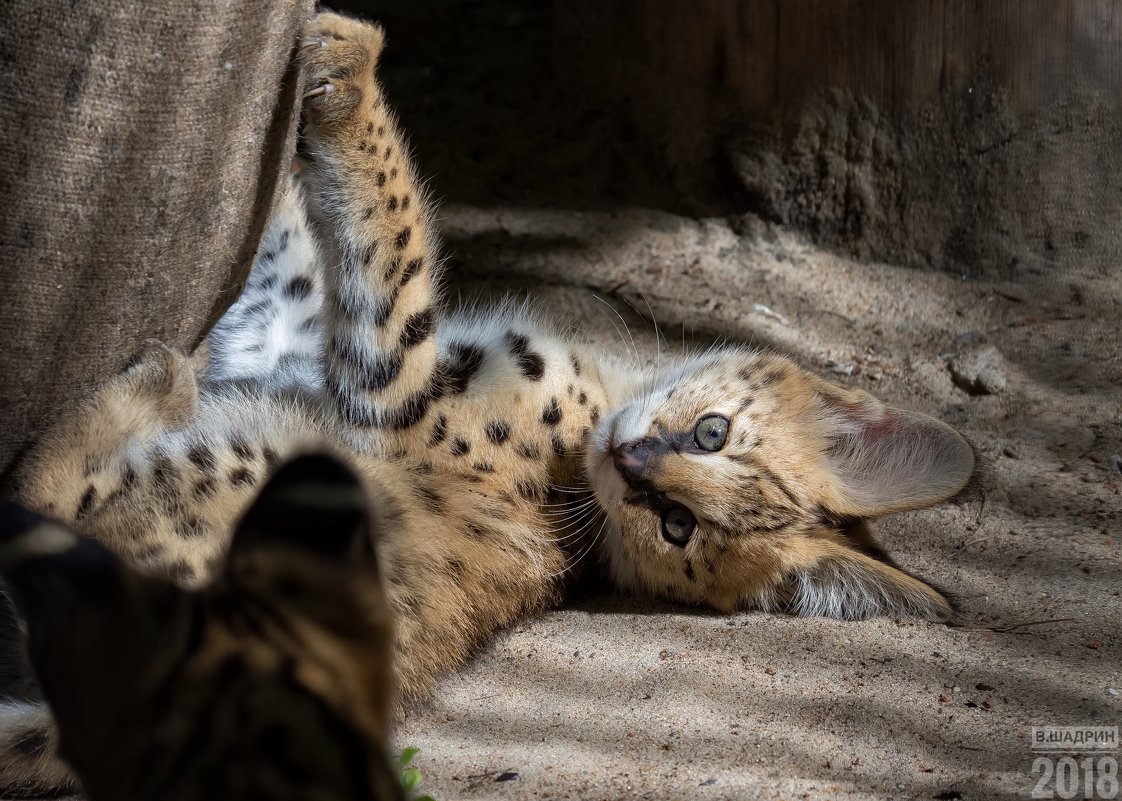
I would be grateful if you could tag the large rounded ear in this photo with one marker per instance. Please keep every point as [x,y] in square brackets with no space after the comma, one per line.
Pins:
[315,505]
[826,579]
[884,459]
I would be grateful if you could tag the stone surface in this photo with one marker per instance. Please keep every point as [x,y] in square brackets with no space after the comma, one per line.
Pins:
[980,371]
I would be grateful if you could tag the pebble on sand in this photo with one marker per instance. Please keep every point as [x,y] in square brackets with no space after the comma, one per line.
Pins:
[980,371]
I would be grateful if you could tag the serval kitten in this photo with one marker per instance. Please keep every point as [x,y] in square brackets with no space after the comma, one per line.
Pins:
[272,682]
[500,451]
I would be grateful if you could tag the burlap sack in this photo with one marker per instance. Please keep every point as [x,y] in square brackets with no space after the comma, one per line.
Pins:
[142,145]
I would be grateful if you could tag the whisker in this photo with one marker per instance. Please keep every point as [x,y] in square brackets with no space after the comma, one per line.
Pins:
[574,503]
[585,551]
[569,509]
[634,347]
[562,522]
[577,522]
[570,489]
[659,337]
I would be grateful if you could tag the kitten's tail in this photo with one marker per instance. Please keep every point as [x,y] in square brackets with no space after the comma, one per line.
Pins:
[30,766]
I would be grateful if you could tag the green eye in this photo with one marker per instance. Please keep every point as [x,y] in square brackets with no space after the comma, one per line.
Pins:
[678,524]
[711,432]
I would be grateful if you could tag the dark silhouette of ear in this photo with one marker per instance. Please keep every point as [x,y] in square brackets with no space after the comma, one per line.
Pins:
[315,504]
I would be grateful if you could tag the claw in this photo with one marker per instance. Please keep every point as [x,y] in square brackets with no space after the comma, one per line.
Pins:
[325,89]
[317,43]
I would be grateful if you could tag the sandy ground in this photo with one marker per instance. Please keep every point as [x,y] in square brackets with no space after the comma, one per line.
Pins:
[617,698]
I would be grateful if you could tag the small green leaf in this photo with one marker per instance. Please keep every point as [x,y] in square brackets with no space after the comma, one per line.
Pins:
[410,778]
[407,756]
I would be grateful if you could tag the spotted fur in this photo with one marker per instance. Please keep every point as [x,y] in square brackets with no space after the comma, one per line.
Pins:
[501,453]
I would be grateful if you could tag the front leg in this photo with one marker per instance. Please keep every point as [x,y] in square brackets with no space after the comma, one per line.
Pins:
[375,226]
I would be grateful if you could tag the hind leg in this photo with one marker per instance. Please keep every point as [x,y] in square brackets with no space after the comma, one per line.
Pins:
[78,463]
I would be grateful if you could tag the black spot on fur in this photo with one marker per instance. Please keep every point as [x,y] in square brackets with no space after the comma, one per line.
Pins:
[299,287]
[402,238]
[483,467]
[380,178]
[498,431]
[382,373]
[381,130]
[582,399]
[758,381]
[86,504]
[558,445]
[389,151]
[576,363]
[439,431]
[391,270]
[391,204]
[241,449]
[466,362]
[414,409]
[412,267]
[405,203]
[689,569]
[551,415]
[431,499]
[418,327]
[283,246]
[164,474]
[204,489]
[366,215]
[529,450]
[370,127]
[531,364]
[460,447]
[380,313]
[241,477]
[368,253]
[272,459]
[477,532]
[594,414]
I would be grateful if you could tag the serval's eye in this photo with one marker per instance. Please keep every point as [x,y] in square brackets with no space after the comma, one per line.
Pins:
[711,432]
[678,524]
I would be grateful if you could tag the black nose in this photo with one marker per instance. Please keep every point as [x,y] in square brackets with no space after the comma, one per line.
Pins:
[632,458]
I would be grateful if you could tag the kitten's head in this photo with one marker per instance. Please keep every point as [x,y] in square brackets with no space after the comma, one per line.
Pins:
[275,677]
[739,480]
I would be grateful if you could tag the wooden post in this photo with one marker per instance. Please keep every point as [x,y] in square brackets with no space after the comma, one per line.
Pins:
[974,135]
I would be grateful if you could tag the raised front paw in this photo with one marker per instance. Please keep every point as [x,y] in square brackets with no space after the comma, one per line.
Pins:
[339,56]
